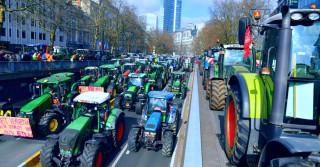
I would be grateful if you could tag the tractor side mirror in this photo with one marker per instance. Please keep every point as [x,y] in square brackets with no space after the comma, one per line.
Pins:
[243,23]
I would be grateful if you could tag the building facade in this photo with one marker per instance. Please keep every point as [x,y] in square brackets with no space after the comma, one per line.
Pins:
[183,40]
[172,15]
[151,21]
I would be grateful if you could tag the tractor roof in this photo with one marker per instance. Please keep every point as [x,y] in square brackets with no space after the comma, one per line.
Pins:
[130,64]
[53,80]
[233,46]
[161,95]
[109,66]
[63,74]
[92,97]
[178,73]
[157,66]
[137,75]
[91,68]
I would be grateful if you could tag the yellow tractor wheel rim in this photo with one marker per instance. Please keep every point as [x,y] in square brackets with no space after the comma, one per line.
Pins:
[53,125]
[114,92]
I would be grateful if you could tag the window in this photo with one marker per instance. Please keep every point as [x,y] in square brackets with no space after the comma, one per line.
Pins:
[35,35]
[40,36]
[3,32]
[61,38]
[269,46]
[32,35]
[32,22]
[54,38]
[17,33]
[23,20]
[17,19]
[10,32]
[44,36]
[23,34]
[9,3]
[17,5]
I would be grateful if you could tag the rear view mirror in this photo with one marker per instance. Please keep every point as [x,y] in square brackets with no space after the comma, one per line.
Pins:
[243,23]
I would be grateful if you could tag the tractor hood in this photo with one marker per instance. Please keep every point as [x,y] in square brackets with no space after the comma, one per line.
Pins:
[100,82]
[130,91]
[85,78]
[44,99]
[177,83]
[153,122]
[237,69]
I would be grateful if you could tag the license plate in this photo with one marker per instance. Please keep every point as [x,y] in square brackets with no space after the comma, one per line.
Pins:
[127,104]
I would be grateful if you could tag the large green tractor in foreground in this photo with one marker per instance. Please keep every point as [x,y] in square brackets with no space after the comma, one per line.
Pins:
[272,117]
[96,129]
[178,84]
[49,111]
[135,94]
[230,61]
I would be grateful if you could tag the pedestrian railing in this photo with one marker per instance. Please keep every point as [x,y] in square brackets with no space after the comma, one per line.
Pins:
[10,67]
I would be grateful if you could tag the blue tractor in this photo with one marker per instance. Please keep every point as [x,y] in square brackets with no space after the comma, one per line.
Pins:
[158,125]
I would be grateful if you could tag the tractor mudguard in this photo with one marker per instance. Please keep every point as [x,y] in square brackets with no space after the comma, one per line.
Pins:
[112,118]
[239,80]
[101,81]
[97,138]
[6,109]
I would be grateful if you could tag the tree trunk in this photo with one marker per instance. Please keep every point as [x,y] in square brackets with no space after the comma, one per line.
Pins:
[2,14]
[52,40]
[128,47]
[96,38]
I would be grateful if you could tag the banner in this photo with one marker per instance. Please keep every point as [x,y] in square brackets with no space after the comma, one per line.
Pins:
[90,89]
[15,126]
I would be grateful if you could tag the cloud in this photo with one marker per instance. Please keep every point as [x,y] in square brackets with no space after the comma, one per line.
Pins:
[146,6]
[186,20]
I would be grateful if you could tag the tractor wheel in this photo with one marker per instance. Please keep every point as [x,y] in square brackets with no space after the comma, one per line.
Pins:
[205,76]
[184,93]
[167,147]
[217,95]
[92,156]
[50,123]
[134,139]
[209,87]
[138,108]
[112,88]
[117,134]
[236,128]
[159,84]
[175,126]
[201,71]
[117,102]
[49,150]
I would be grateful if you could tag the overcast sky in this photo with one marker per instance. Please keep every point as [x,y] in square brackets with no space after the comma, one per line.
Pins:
[193,11]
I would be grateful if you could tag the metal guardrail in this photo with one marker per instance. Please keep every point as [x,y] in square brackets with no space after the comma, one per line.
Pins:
[10,67]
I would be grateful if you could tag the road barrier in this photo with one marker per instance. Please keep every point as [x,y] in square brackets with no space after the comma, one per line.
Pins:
[33,161]
[22,66]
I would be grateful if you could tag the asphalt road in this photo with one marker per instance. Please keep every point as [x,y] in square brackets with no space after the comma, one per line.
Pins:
[15,151]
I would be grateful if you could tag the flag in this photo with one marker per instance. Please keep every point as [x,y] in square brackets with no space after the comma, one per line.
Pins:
[99,45]
[247,42]
[105,46]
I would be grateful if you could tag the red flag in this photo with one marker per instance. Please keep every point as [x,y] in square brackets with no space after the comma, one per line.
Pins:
[247,42]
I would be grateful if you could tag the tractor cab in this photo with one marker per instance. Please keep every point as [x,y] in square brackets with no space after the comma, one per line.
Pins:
[127,60]
[137,79]
[131,67]
[110,69]
[178,84]
[116,61]
[143,65]
[90,75]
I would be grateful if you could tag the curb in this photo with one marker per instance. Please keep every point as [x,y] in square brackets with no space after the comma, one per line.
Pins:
[33,161]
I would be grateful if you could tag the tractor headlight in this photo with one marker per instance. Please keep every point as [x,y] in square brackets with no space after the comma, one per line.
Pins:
[313,16]
[95,108]
[296,16]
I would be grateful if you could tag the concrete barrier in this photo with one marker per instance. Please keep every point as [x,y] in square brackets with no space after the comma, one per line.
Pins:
[33,161]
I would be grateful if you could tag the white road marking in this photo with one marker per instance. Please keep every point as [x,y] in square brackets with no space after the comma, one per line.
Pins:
[127,152]
[18,138]
[119,156]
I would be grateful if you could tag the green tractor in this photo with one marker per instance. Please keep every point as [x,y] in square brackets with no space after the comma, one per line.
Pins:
[166,66]
[116,79]
[135,94]
[144,65]
[48,112]
[187,65]
[230,61]
[96,129]
[159,75]
[272,117]
[178,84]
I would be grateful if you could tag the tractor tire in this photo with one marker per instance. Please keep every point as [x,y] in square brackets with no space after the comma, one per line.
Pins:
[133,139]
[49,150]
[92,156]
[167,147]
[209,87]
[117,102]
[236,128]
[50,123]
[184,93]
[117,134]
[201,70]
[175,125]
[217,95]
[205,78]
[113,89]
[159,83]
[138,108]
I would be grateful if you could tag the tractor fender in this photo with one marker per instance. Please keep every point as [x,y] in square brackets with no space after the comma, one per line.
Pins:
[147,87]
[113,117]
[239,80]
[6,109]
[71,96]
[289,145]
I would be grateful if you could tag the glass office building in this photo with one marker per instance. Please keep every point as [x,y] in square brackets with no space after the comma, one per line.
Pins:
[172,15]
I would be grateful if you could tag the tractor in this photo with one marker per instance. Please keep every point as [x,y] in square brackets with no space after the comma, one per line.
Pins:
[187,65]
[166,66]
[96,130]
[129,68]
[135,94]
[48,112]
[143,65]
[158,125]
[211,57]
[178,84]
[272,116]
[231,61]
[159,75]
[116,79]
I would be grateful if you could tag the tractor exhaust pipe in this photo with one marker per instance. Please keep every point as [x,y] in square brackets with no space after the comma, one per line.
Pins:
[281,73]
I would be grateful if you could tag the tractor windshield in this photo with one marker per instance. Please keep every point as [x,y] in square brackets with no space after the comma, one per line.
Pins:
[116,62]
[135,82]
[92,72]
[157,104]
[128,68]
[236,57]
[305,51]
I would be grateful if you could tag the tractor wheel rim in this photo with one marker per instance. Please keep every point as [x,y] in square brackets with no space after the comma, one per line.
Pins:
[120,131]
[53,125]
[98,159]
[231,123]
[114,92]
